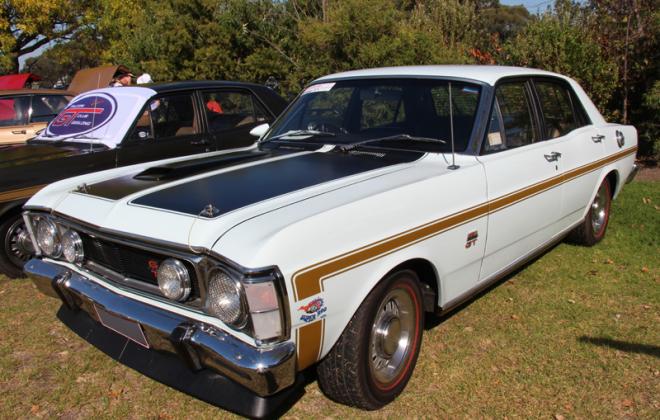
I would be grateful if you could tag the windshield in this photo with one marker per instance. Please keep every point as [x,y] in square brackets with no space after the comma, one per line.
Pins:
[393,113]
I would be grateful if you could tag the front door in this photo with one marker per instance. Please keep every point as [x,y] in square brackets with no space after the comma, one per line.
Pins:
[168,127]
[523,177]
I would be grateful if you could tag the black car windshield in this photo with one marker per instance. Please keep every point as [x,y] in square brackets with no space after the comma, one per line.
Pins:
[392,113]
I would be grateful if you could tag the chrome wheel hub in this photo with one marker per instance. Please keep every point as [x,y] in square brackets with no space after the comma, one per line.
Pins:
[391,336]
[599,209]
[18,243]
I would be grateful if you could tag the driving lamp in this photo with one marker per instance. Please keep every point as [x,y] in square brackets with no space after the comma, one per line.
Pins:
[72,247]
[223,298]
[173,279]
[47,238]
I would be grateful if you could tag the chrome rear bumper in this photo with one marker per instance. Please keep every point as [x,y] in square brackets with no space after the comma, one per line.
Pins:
[262,371]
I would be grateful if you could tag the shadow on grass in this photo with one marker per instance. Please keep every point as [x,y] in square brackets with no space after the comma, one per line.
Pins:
[648,349]
[432,320]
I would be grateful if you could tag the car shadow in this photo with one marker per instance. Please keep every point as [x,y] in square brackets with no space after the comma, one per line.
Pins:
[432,320]
[647,349]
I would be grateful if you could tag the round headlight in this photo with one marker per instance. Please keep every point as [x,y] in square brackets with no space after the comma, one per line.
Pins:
[72,247]
[224,298]
[47,238]
[173,279]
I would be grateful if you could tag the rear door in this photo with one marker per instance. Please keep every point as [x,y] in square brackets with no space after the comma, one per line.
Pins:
[230,114]
[169,126]
[563,120]
[523,176]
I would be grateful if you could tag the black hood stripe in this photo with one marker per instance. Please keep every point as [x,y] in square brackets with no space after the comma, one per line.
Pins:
[120,187]
[232,190]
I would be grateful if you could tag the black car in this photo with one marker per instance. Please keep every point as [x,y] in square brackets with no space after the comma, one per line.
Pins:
[113,127]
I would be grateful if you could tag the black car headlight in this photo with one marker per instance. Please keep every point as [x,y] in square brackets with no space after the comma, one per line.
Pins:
[48,237]
[174,279]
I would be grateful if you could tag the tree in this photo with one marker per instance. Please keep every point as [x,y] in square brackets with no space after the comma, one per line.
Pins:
[560,41]
[26,25]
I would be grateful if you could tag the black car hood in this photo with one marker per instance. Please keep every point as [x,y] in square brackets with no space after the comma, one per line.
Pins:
[23,154]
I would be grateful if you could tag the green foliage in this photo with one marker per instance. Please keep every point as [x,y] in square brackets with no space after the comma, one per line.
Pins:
[26,25]
[559,41]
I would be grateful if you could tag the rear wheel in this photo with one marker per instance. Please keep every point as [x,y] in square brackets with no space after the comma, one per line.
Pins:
[374,358]
[592,229]
[17,247]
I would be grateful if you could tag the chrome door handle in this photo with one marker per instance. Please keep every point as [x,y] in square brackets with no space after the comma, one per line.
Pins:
[598,138]
[200,142]
[19,132]
[552,157]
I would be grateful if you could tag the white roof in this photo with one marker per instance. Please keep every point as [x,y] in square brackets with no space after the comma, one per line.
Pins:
[486,74]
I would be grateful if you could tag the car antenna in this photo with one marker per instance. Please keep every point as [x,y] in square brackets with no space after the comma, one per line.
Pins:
[453,165]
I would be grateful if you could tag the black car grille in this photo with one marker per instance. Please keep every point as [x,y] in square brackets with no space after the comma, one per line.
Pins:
[125,260]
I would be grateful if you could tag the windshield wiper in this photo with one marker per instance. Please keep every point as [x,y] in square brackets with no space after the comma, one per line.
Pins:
[402,136]
[405,136]
[310,133]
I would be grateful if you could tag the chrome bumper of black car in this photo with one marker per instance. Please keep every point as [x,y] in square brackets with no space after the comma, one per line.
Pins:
[262,371]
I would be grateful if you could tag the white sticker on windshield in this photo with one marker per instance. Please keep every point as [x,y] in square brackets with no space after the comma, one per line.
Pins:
[321,87]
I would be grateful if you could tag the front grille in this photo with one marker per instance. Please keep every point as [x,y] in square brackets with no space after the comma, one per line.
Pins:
[127,261]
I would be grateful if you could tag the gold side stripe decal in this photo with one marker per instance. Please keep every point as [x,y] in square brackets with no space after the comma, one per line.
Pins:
[20,193]
[308,281]
[309,340]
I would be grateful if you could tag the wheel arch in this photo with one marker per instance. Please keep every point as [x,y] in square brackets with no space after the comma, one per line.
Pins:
[613,178]
[428,276]
[11,207]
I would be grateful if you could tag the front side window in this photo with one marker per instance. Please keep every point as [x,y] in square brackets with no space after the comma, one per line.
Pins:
[558,118]
[227,110]
[14,110]
[512,121]
[165,117]
[394,113]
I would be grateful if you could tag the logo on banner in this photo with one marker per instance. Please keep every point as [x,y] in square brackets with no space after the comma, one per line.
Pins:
[84,115]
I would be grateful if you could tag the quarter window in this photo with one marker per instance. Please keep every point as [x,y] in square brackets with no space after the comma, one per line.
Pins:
[558,117]
[512,121]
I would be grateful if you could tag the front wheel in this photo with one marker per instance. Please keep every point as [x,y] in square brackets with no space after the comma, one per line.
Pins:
[17,247]
[592,229]
[374,358]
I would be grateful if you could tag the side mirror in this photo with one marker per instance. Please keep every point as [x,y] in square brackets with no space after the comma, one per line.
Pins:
[260,130]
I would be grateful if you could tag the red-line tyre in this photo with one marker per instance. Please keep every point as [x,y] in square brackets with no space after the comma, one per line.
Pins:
[375,356]
[593,227]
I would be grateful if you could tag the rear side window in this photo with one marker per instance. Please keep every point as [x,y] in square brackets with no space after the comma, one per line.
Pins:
[14,110]
[227,110]
[512,122]
[46,107]
[556,105]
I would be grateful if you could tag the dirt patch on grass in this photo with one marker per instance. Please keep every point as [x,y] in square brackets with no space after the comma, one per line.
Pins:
[648,173]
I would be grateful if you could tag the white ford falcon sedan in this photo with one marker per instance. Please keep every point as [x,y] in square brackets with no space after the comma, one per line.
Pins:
[378,196]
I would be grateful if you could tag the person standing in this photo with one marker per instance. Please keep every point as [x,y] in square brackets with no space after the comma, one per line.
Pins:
[122,77]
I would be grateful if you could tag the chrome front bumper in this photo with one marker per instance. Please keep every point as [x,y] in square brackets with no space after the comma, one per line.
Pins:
[263,371]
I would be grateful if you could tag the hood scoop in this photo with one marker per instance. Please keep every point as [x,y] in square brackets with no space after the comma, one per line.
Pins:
[191,167]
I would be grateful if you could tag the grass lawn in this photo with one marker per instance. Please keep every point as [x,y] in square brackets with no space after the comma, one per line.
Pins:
[575,334]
